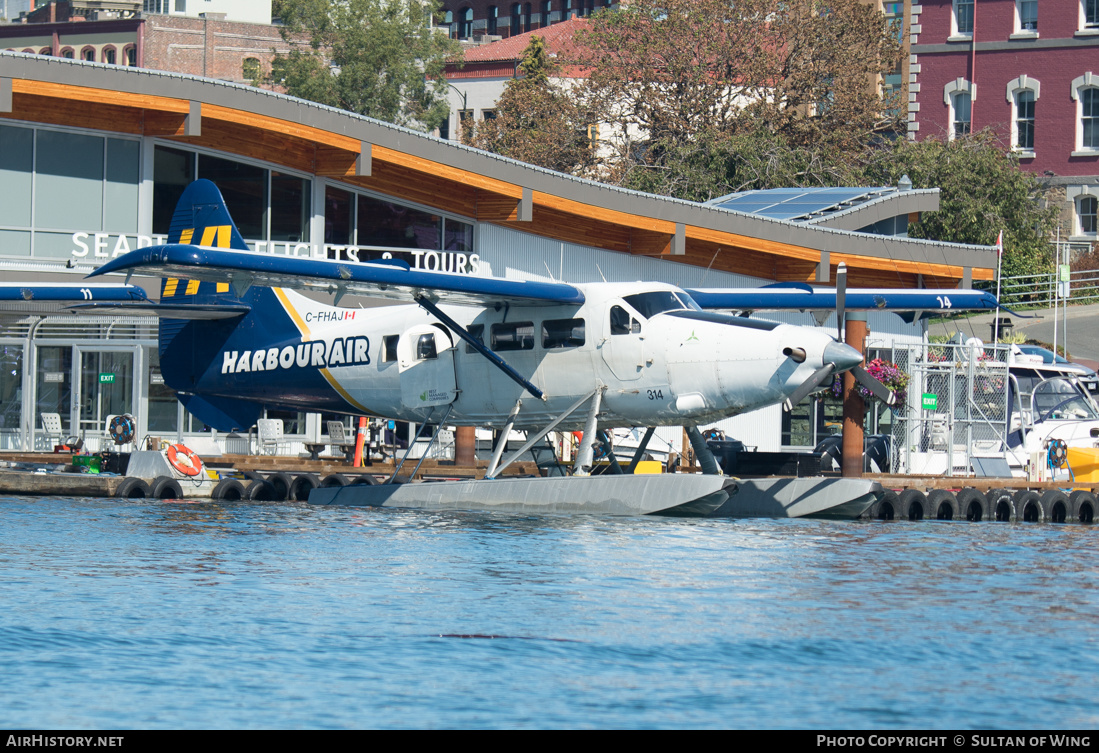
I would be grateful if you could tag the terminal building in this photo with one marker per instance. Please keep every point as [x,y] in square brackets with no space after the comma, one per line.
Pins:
[94,156]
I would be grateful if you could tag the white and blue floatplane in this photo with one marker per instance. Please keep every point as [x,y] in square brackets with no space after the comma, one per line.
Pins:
[236,335]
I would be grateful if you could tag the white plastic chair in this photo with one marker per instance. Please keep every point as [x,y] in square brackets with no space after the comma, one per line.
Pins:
[268,436]
[342,443]
[51,427]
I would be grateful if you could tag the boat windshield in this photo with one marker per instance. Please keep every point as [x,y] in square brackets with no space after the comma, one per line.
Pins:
[651,304]
[1059,399]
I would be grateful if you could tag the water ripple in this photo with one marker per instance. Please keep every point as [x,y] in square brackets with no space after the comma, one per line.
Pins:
[152,614]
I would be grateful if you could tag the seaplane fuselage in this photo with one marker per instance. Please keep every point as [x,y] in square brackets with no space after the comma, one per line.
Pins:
[661,360]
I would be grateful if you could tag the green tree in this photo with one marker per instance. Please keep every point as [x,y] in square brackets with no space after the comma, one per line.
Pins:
[800,76]
[378,58]
[982,191]
[537,121]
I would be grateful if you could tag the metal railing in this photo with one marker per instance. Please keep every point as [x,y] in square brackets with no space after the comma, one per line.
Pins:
[1041,289]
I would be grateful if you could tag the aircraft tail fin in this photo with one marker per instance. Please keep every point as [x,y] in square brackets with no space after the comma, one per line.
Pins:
[202,219]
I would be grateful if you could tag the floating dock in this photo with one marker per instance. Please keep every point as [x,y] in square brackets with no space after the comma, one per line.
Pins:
[274,478]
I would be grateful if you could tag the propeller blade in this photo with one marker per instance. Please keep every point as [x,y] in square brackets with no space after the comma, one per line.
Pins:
[841,298]
[880,391]
[808,385]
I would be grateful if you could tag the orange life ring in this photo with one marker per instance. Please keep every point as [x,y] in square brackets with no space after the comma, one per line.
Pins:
[184,460]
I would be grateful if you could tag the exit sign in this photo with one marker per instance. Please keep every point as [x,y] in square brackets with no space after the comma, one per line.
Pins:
[930,401]
[106,378]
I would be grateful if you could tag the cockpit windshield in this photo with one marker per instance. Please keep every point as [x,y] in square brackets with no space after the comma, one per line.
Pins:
[1060,399]
[651,304]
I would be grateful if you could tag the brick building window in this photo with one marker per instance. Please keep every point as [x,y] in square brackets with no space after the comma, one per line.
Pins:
[1087,211]
[129,56]
[516,19]
[1024,120]
[1026,15]
[527,13]
[110,56]
[1022,94]
[547,8]
[465,23]
[88,53]
[960,120]
[250,68]
[1089,118]
[958,96]
[491,19]
[1090,11]
[1085,92]
[963,17]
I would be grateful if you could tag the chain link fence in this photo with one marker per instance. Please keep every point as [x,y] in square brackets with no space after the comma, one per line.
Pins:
[957,408]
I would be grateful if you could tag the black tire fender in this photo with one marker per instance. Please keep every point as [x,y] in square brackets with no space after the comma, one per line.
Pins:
[1056,507]
[972,504]
[303,484]
[942,504]
[262,491]
[1028,507]
[282,483]
[912,505]
[228,489]
[133,488]
[1000,505]
[1084,504]
[165,487]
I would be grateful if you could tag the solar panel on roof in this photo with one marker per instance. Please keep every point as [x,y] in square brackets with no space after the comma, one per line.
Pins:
[790,203]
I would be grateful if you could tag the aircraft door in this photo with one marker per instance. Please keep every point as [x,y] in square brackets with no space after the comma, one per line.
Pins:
[425,361]
[623,346]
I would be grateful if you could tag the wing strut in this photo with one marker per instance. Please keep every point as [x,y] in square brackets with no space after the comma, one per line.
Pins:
[479,346]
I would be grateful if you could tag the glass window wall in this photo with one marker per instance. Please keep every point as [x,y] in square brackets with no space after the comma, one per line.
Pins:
[11,387]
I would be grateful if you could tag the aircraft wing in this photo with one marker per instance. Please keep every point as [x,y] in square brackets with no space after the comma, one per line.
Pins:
[390,279]
[41,299]
[807,298]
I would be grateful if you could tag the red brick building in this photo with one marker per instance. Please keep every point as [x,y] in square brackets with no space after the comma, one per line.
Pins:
[477,19]
[1028,69]
[210,46]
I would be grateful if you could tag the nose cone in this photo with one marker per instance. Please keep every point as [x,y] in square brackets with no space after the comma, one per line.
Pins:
[843,356]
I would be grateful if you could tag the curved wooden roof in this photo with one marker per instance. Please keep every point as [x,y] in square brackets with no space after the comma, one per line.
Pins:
[255,123]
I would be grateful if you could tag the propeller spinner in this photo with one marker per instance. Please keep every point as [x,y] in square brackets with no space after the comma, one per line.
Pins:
[839,357]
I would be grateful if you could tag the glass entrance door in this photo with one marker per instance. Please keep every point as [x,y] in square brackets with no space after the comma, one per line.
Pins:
[106,388]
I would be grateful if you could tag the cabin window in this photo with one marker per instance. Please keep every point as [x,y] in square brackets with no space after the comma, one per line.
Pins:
[622,323]
[562,333]
[425,347]
[478,333]
[389,348]
[513,336]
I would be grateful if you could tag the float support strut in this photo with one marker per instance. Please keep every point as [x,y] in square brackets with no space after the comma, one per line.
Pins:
[705,457]
[543,432]
[582,464]
[502,441]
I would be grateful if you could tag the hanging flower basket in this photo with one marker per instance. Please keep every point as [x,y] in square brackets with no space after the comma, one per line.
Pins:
[885,372]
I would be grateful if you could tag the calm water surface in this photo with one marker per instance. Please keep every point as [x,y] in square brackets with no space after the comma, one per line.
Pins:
[147,614]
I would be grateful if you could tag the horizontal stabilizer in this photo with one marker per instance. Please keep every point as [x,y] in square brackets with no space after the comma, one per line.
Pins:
[190,311]
[242,269]
[773,298]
